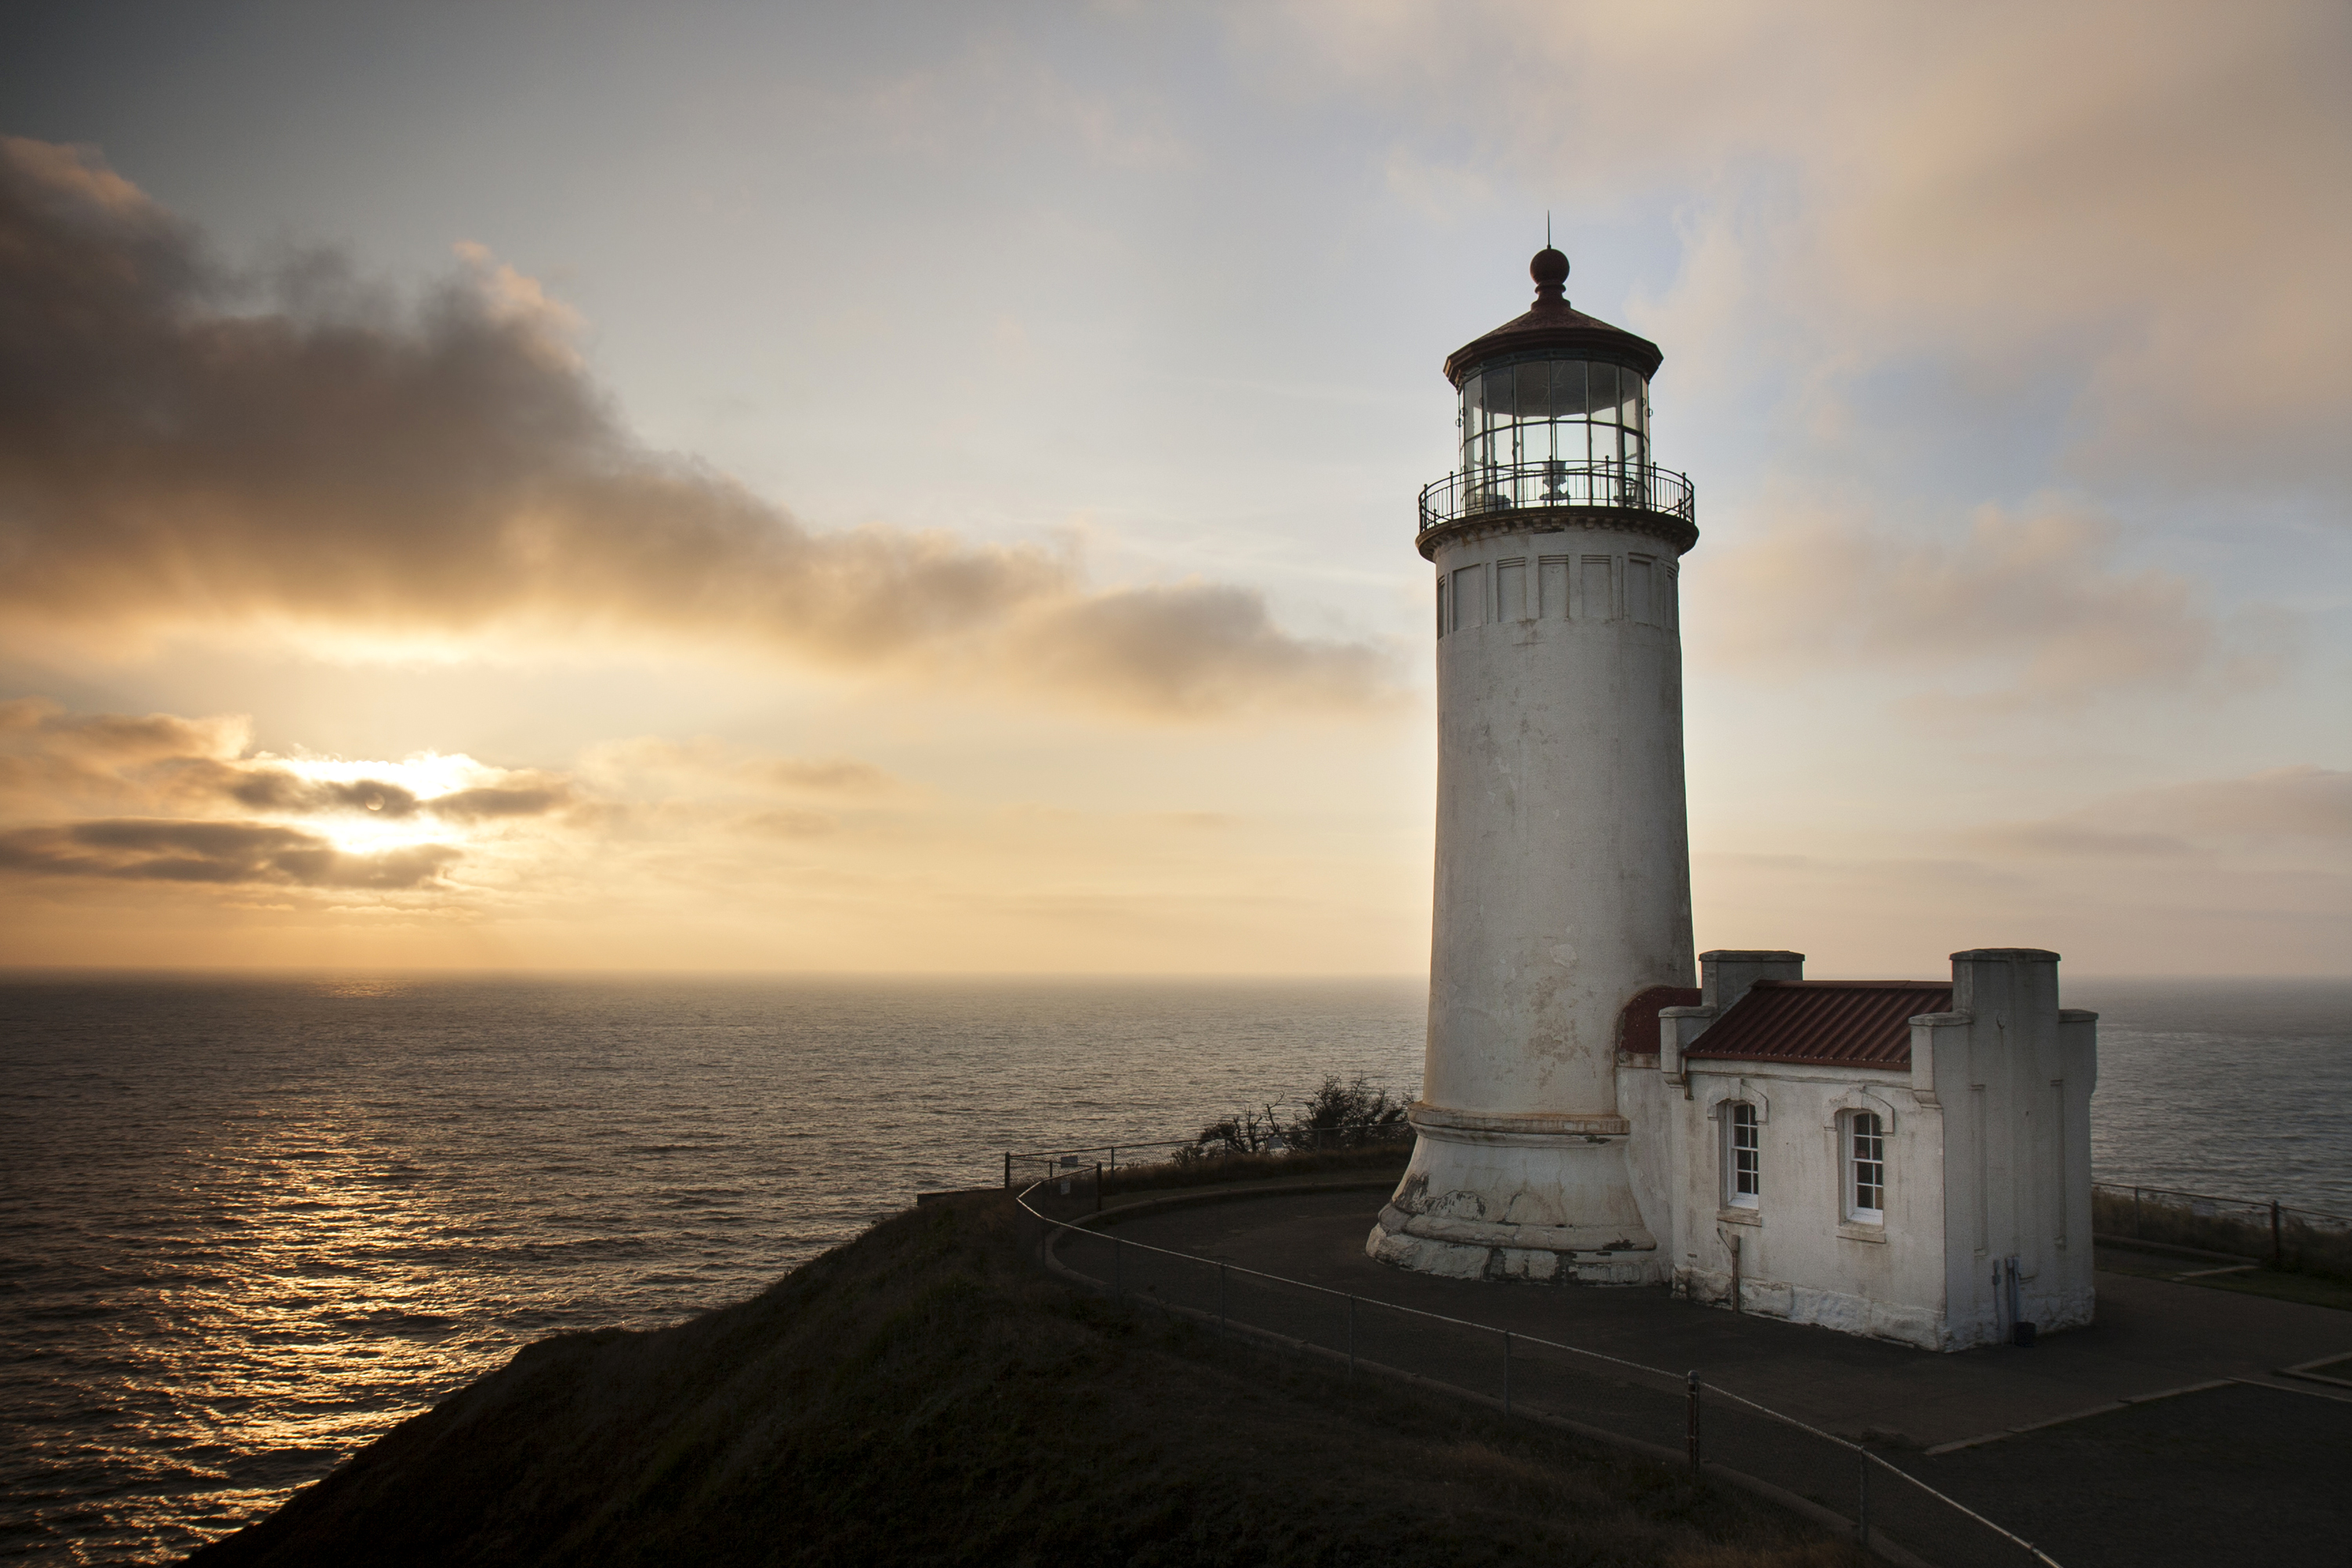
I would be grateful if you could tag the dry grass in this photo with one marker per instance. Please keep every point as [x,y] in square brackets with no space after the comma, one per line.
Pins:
[2304,1249]
[926,1395]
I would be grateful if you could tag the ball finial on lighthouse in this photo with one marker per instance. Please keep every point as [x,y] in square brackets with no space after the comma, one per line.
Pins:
[1562,887]
[1549,269]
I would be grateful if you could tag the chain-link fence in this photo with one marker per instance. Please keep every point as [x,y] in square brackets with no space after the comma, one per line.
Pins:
[2260,1230]
[1665,1414]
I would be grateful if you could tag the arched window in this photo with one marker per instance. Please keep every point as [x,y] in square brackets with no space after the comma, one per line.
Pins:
[1743,1156]
[1865,1168]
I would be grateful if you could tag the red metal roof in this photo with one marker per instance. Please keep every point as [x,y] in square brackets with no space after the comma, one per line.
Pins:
[1830,1022]
[1637,1026]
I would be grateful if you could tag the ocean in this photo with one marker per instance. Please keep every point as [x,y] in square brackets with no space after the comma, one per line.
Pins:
[252,1224]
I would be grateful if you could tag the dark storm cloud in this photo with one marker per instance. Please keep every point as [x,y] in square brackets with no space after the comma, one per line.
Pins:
[183,446]
[141,850]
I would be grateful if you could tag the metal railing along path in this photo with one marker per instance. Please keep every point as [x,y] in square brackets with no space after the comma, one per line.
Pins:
[1054,1163]
[2168,1207]
[1604,1396]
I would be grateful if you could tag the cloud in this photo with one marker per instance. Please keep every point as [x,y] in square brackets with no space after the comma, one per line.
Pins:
[704,759]
[185,449]
[45,750]
[160,798]
[791,823]
[217,853]
[2028,608]
[2069,840]
[2135,199]
[2296,812]
[275,789]
[476,805]
[51,759]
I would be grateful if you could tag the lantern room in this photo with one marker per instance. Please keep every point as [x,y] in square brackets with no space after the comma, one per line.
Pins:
[1555,413]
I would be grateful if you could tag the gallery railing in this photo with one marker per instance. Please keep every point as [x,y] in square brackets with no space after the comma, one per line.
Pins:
[1513,487]
[1668,1415]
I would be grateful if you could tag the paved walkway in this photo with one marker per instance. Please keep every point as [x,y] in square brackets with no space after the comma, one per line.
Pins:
[2152,1336]
[2235,1464]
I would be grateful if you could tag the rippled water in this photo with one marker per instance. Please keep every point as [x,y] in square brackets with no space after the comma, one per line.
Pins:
[2241,1088]
[250,1225]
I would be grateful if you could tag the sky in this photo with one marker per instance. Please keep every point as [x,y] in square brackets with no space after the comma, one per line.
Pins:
[931,488]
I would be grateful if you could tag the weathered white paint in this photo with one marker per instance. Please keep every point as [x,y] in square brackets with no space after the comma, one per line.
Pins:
[1988,1155]
[1562,891]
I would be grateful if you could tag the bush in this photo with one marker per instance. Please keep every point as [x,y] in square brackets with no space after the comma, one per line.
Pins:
[1347,1116]
[1342,1113]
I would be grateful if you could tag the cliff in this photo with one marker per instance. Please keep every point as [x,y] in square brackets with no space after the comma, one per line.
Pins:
[924,1395]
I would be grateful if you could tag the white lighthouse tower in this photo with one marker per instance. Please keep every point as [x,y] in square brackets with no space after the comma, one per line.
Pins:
[1563,862]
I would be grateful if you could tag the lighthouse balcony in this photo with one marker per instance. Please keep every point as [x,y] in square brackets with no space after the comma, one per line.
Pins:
[1556,485]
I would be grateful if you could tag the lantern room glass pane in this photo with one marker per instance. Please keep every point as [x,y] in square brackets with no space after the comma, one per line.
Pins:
[1603,379]
[1534,391]
[1545,431]
[1500,394]
[1568,389]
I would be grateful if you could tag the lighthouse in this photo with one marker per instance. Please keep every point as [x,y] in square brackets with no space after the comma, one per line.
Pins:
[1562,887]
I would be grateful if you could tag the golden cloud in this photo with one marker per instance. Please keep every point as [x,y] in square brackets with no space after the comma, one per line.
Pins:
[214,852]
[2023,609]
[706,760]
[175,459]
[67,778]
[2300,810]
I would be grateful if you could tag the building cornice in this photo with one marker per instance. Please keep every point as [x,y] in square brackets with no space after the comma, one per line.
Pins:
[1676,533]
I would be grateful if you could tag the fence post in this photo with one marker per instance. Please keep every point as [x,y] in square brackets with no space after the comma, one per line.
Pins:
[2137,1227]
[1098,1186]
[1691,1434]
[2277,1251]
[1352,1336]
[1506,1374]
[1008,1170]
[1221,1300]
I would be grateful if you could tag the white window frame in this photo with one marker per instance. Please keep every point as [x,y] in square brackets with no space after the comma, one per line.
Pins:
[1861,1145]
[1743,1133]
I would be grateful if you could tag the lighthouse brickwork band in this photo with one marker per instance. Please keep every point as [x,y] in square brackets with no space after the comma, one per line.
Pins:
[1905,1159]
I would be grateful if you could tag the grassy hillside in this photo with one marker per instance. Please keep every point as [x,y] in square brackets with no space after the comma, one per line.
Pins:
[924,1396]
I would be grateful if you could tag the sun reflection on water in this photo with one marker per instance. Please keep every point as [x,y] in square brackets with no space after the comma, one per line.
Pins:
[253,1226]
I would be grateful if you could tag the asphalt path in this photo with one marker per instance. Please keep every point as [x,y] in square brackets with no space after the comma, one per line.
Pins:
[2163,1433]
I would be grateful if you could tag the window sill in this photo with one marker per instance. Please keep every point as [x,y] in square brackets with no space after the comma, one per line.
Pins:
[1852,1231]
[1739,1216]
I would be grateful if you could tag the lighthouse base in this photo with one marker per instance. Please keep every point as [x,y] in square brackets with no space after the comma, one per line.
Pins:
[1540,1198]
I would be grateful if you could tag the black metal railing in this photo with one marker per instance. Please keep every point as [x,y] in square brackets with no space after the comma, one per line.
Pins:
[1524,487]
